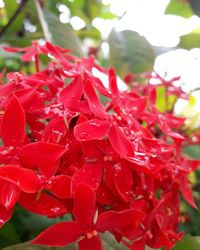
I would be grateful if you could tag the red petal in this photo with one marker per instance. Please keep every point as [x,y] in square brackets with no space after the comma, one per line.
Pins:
[42,203]
[5,214]
[91,130]
[90,174]
[55,130]
[93,100]
[186,191]
[113,87]
[111,220]
[13,123]
[6,89]
[173,121]
[123,146]
[29,98]
[42,155]
[138,245]
[61,186]
[120,142]
[166,129]
[9,193]
[93,243]
[15,49]
[71,94]
[84,204]
[24,178]
[123,180]
[59,235]
[30,53]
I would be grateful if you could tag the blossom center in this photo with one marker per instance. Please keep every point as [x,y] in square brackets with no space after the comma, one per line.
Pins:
[91,234]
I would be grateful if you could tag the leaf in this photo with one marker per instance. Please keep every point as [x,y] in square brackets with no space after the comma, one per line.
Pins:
[130,52]
[161,99]
[11,6]
[193,151]
[179,8]
[191,40]
[195,5]
[28,246]
[188,242]
[8,235]
[58,33]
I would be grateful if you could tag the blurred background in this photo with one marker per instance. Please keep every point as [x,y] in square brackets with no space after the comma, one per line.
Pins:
[134,36]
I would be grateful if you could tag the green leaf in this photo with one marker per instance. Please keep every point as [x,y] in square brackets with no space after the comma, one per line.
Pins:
[195,5]
[191,40]
[179,8]
[11,6]
[8,235]
[161,101]
[90,32]
[159,50]
[59,33]
[29,246]
[130,52]
[193,151]
[188,243]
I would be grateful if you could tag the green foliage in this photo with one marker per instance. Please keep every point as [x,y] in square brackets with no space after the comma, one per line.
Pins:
[188,243]
[191,40]
[193,151]
[179,8]
[130,52]
[62,34]
[11,6]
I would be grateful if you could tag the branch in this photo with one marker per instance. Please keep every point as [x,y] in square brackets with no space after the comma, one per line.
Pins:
[13,17]
[196,89]
[44,25]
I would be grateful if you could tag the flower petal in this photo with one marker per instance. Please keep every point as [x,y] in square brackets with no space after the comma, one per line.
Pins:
[114,88]
[54,131]
[111,220]
[13,123]
[93,100]
[24,178]
[42,203]
[139,244]
[84,204]
[42,154]
[59,235]
[120,142]
[186,191]
[94,129]
[61,186]
[93,243]
[123,180]
[90,174]
[72,93]
[9,193]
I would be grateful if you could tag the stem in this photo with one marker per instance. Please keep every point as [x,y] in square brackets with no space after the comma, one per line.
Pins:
[13,17]
[47,34]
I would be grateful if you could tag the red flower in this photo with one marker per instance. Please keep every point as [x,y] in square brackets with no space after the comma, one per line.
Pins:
[107,157]
[87,224]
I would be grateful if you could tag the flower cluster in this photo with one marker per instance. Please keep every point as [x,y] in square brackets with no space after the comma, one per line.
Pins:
[109,158]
